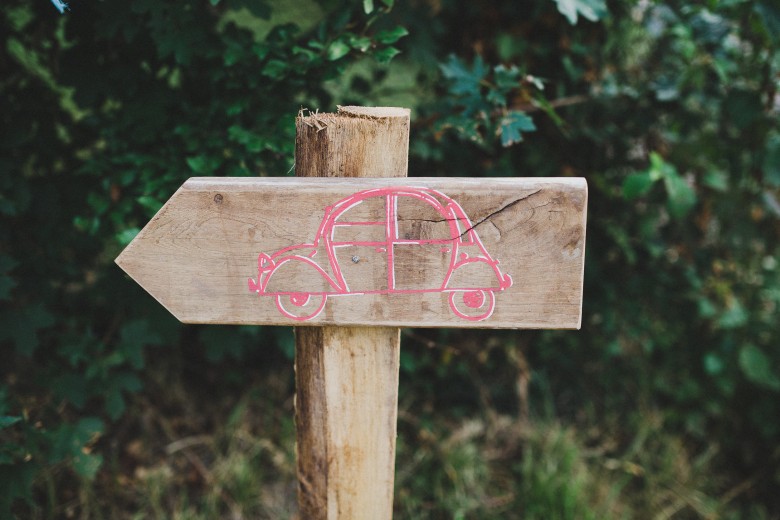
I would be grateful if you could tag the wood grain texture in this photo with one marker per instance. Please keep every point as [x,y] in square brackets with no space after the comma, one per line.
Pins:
[199,252]
[345,413]
[347,377]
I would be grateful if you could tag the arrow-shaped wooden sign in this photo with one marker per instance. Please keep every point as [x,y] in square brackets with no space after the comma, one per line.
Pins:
[424,252]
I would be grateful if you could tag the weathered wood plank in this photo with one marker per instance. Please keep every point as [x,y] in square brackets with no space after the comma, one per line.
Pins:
[393,259]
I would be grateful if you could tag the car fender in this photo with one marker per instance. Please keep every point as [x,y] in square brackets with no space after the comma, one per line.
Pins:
[298,274]
[474,273]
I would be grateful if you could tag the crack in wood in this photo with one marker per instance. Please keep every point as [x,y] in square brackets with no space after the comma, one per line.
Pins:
[481,221]
[499,210]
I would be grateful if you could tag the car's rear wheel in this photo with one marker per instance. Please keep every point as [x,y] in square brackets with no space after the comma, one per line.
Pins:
[473,305]
[300,306]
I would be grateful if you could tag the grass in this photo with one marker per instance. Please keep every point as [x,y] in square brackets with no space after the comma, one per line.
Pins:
[192,448]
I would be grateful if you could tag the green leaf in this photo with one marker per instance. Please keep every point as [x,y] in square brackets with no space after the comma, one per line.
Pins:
[69,440]
[682,198]
[214,2]
[713,364]
[6,421]
[73,440]
[118,384]
[115,403]
[769,14]
[757,367]
[659,168]
[221,343]
[86,465]
[274,69]
[390,36]
[338,49]
[368,6]
[743,107]
[593,10]
[21,326]
[133,337]
[637,184]
[199,164]
[72,387]
[252,141]
[734,316]
[465,80]
[126,236]
[386,54]
[506,78]
[150,203]
[717,180]
[513,125]
[360,43]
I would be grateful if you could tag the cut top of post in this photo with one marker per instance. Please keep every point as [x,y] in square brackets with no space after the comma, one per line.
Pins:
[377,112]
[353,142]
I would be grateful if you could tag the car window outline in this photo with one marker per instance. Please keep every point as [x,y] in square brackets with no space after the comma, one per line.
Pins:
[438,207]
[332,222]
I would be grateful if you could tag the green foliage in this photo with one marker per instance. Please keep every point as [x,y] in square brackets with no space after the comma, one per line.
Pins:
[668,108]
[479,101]
[680,196]
[592,10]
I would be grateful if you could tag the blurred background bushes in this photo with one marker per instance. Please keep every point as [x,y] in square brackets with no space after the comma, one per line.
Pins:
[666,403]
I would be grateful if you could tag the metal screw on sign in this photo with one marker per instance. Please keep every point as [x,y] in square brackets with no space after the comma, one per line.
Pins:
[348,252]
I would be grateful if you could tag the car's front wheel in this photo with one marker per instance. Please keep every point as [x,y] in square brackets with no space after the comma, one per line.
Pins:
[300,306]
[473,305]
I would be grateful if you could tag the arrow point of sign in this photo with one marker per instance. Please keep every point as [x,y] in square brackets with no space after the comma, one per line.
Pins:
[150,260]
[130,261]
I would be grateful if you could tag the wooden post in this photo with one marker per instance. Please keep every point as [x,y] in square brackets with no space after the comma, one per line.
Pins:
[347,377]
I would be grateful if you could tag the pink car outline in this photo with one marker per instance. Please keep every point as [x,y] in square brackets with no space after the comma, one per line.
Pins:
[470,302]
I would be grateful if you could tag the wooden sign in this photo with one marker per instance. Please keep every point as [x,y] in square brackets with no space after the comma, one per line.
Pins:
[420,252]
[355,244]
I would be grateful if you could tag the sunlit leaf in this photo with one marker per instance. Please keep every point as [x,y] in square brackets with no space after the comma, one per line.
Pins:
[6,421]
[681,197]
[758,367]
[126,236]
[513,125]
[391,36]
[592,10]
[385,55]
[338,49]
[87,465]
[464,79]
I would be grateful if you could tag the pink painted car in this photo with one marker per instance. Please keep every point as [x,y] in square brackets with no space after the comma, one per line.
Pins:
[394,240]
